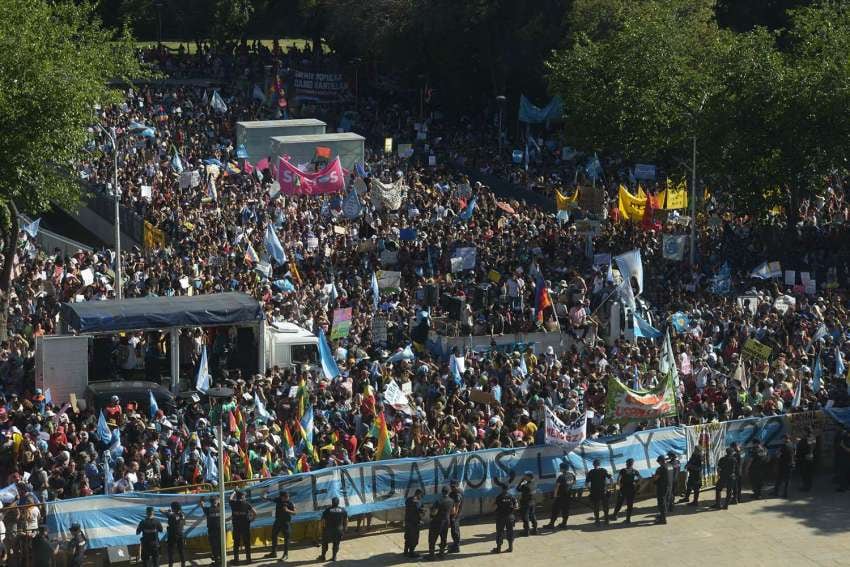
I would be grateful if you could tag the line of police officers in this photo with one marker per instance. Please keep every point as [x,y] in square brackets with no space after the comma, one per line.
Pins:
[446,510]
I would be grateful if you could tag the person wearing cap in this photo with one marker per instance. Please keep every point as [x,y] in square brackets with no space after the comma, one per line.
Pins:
[243,514]
[284,509]
[725,478]
[506,506]
[149,528]
[412,520]
[456,494]
[674,469]
[174,531]
[334,521]
[526,489]
[562,496]
[694,483]
[627,481]
[661,479]
[77,547]
[213,515]
[598,479]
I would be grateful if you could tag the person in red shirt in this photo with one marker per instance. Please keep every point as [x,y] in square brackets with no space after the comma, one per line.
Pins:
[113,410]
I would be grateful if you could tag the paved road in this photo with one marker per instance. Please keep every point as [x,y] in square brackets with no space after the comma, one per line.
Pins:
[811,529]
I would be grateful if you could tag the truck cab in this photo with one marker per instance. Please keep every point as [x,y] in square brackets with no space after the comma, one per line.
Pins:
[288,345]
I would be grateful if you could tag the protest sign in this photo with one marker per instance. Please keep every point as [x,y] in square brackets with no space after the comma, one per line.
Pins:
[293,181]
[568,436]
[342,323]
[625,404]
[753,349]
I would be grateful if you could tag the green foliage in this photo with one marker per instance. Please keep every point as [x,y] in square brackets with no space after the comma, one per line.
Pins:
[768,108]
[55,61]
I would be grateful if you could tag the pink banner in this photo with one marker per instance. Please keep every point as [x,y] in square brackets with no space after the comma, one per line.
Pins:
[296,182]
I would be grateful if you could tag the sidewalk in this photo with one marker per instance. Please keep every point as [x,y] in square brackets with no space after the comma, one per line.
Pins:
[806,529]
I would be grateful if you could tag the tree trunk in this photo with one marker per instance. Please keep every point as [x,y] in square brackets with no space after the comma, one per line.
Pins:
[10,240]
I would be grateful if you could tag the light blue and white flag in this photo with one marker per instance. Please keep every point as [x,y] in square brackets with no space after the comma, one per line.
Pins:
[260,409]
[840,368]
[104,434]
[376,292]
[258,94]
[351,206]
[767,270]
[211,469]
[32,228]
[673,246]
[329,367]
[154,407]
[273,246]
[404,354]
[217,103]
[681,322]
[202,379]
[643,329]
[798,395]
[817,375]
[631,266]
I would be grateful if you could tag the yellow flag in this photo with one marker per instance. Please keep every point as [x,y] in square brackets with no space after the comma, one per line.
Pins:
[562,202]
[631,208]
[677,198]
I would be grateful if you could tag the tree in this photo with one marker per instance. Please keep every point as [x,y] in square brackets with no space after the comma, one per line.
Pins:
[55,62]
[782,123]
[634,83]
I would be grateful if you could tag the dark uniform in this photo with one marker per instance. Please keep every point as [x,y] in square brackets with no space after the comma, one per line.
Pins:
[441,513]
[758,469]
[597,479]
[150,528]
[243,515]
[563,496]
[176,524]
[627,480]
[725,478]
[506,506]
[284,509]
[526,489]
[77,547]
[213,514]
[738,485]
[806,460]
[694,468]
[456,494]
[785,461]
[673,469]
[334,520]
[412,519]
[662,479]
[842,461]
[42,550]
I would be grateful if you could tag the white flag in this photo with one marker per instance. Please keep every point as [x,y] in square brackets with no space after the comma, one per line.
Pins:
[567,436]
[202,381]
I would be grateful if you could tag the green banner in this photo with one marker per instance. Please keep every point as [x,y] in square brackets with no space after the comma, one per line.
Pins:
[624,404]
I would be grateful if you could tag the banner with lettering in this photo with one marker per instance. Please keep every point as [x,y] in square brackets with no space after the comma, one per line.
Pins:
[293,181]
[625,405]
[567,436]
[342,323]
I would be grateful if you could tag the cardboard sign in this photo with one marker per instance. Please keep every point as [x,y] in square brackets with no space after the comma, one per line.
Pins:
[790,277]
[379,330]
[481,397]
[754,350]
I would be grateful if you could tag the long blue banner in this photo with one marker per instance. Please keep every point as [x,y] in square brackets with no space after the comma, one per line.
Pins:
[368,487]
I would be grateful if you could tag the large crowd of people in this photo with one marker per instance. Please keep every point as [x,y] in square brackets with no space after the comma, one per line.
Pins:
[213,231]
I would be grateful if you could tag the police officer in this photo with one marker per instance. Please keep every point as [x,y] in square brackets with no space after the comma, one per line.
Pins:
[412,519]
[441,512]
[42,549]
[725,478]
[334,521]
[150,528]
[526,489]
[563,496]
[627,481]
[506,506]
[598,479]
[243,515]
[213,514]
[456,494]
[806,459]
[694,468]
[174,530]
[758,467]
[842,460]
[284,509]
[738,485]
[662,479]
[673,469]
[77,547]
[785,461]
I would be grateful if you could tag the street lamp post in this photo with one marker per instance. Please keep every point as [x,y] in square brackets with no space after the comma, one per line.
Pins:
[119,292]
[501,100]
[220,396]
[694,202]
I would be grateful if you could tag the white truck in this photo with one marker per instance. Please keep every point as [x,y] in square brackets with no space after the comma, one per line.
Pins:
[255,134]
[350,147]
[63,363]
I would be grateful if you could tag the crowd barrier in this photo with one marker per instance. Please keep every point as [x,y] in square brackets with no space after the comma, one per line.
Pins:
[382,486]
